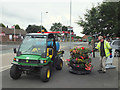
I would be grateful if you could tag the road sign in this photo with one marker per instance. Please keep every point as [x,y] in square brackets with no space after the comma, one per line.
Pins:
[70,28]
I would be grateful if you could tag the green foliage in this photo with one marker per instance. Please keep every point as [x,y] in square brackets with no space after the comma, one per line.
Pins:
[102,18]
[2,25]
[59,27]
[17,26]
[78,37]
[64,28]
[56,27]
[35,29]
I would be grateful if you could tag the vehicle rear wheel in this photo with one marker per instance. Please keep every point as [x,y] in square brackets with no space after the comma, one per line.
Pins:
[59,64]
[45,73]
[15,73]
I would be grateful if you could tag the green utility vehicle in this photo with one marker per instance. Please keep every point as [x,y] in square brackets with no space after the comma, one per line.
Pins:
[39,54]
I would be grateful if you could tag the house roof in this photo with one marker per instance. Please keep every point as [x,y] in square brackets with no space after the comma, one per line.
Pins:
[85,37]
[11,31]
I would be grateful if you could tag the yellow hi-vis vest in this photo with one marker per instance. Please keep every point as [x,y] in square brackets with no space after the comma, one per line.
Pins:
[106,47]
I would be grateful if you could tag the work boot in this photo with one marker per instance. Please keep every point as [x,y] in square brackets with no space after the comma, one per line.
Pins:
[104,71]
[99,70]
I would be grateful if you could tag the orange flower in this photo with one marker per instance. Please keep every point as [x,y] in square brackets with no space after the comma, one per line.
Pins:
[82,57]
[74,51]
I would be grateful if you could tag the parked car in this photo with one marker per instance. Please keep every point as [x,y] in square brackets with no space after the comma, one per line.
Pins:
[80,40]
[84,40]
[115,44]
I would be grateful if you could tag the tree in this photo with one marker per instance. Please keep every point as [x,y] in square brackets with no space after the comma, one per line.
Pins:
[17,26]
[102,18]
[78,37]
[56,27]
[35,29]
[64,28]
[2,25]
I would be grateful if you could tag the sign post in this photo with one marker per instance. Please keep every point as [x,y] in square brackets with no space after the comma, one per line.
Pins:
[70,29]
[14,33]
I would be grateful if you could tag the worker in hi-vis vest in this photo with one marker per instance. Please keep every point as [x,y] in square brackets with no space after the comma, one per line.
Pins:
[105,51]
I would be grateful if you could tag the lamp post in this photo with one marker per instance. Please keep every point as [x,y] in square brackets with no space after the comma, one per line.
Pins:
[70,21]
[41,19]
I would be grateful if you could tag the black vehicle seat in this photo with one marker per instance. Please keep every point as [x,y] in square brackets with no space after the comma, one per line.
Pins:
[48,52]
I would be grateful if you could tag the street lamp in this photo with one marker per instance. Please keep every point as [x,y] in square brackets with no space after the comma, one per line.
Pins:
[41,20]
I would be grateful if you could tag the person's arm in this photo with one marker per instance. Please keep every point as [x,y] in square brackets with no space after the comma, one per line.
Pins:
[94,49]
[110,49]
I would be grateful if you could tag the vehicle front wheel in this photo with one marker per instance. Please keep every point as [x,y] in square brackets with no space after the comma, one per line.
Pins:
[15,73]
[45,73]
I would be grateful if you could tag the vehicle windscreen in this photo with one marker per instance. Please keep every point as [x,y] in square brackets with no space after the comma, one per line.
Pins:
[33,45]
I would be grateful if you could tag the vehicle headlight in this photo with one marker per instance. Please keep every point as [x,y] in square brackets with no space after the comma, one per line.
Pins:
[17,60]
[41,61]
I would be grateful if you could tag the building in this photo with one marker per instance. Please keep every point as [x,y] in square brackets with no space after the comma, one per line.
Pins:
[85,38]
[7,34]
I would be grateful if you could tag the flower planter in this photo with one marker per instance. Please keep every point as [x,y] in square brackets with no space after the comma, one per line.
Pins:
[79,61]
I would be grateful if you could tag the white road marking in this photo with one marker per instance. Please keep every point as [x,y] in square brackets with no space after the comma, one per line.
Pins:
[5,68]
[5,61]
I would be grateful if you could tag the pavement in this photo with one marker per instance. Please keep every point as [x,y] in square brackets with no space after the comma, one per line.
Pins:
[62,79]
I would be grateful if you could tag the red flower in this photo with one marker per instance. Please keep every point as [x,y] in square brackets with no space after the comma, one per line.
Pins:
[82,57]
[88,67]
[68,60]
[76,59]
[83,48]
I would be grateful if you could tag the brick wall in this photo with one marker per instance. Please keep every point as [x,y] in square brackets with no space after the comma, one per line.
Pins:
[6,38]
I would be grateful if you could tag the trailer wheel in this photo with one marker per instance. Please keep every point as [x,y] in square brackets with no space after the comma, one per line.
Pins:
[45,73]
[15,73]
[59,64]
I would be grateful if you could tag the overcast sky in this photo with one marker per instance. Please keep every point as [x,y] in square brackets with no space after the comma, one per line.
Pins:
[26,12]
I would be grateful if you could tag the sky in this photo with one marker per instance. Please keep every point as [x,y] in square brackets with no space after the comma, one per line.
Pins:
[28,12]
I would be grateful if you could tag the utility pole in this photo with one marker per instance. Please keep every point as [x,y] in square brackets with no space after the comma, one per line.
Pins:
[70,20]
[41,20]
